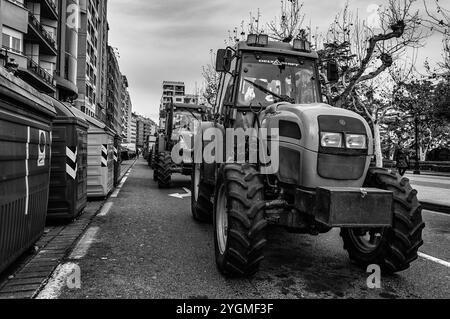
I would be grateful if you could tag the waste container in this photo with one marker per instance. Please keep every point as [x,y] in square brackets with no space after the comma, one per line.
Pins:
[100,172]
[117,159]
[68,178]
[25,143]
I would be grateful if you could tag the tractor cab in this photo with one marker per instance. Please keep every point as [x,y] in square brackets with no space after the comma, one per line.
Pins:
[258,73]
[183,119]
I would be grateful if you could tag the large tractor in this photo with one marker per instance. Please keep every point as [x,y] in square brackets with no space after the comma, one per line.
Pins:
[181,122]
[324,179]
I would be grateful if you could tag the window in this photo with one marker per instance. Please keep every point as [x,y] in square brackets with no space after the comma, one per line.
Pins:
[12,40]
[287,76]
[5,40]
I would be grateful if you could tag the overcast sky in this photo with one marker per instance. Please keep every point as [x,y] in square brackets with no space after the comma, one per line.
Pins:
[171,39]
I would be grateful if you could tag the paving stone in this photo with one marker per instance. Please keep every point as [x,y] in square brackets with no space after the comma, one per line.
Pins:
[25,281]
[18,295]
[21,288]
[32,275]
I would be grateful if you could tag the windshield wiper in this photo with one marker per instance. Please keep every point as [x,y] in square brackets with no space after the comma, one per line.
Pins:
[283,98]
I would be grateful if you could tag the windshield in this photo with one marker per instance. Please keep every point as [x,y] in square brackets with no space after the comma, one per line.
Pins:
[185,121]
[288,78]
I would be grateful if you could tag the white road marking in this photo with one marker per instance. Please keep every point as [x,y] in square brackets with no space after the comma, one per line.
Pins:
[437,213]
[27,171]
[182,196]
[57,282]
[84,244]
[434,259]
[105,209]
[119,188]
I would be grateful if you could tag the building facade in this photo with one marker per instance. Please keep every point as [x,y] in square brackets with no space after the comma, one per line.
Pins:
[172,91]
[144,128]
[114,87]
[29,41]
[66,67]
[127,110]
[133,128]
[92,53]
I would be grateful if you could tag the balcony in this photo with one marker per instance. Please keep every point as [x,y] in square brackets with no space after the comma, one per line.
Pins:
[37,33]
[37,77]
[49,9]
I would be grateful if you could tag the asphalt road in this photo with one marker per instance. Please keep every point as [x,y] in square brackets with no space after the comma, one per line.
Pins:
[148,246]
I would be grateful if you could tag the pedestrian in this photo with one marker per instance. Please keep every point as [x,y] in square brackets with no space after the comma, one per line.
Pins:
[402,160]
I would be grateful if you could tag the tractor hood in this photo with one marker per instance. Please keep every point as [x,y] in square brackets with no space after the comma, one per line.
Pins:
[300,124]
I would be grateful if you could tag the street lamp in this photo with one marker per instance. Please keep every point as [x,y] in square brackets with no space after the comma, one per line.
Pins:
[417,119]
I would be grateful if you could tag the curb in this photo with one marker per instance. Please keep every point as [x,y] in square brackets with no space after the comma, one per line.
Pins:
[436,207]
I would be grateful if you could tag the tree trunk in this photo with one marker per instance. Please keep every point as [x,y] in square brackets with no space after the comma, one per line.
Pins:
[423,153]
[377,142]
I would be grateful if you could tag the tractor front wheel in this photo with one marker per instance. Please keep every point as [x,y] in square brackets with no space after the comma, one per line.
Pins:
[164,170]
[239,222]
[393,249]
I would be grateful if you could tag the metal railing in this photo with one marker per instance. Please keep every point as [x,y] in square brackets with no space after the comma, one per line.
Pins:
[6,48]
[40,29]
[52,5]
[39,71]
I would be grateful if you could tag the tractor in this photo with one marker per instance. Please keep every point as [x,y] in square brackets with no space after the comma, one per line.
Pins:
[151,145]
[180,124]
[324,178]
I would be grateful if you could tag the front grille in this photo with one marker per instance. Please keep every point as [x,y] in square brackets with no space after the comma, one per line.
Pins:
[341,167]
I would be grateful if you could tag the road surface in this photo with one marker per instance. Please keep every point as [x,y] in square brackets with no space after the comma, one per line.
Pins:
[146,245]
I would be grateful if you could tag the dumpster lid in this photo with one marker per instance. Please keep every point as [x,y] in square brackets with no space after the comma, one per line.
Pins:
[15,88]
[93,123]
[65,113]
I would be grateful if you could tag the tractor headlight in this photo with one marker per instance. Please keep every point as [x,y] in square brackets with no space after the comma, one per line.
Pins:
[331,140]
[356,141]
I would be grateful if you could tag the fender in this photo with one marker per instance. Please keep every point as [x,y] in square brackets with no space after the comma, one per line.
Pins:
[208,171]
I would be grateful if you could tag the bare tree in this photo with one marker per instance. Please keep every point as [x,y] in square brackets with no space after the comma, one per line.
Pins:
[211,81]
[363,52]
[288,25]
[437,19]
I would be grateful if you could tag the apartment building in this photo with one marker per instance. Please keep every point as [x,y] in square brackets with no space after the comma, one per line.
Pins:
[66,68]
[114,108]
[92,58]
[133,129]
[144,127]
[29,41]
[172,91]
[127,109]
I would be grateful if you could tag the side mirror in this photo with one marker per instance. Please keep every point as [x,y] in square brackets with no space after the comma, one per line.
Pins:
[223,61]
[332,71]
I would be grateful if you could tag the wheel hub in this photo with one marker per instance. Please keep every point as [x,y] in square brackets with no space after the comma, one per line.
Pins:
[366,240]
[196,181]
[222,220]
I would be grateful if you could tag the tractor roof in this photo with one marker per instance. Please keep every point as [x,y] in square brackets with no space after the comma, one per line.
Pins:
[190,107]
[276,47]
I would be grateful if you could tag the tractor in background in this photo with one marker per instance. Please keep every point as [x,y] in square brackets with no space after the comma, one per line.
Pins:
[181,121]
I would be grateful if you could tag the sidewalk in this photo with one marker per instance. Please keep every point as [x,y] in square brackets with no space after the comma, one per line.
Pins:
[26,277]
[434,190]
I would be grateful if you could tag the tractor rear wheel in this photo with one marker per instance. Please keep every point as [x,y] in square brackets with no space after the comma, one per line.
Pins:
[154,167]
[164,169]
[201,206]
[150,158]
[239,221]
[393,249]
